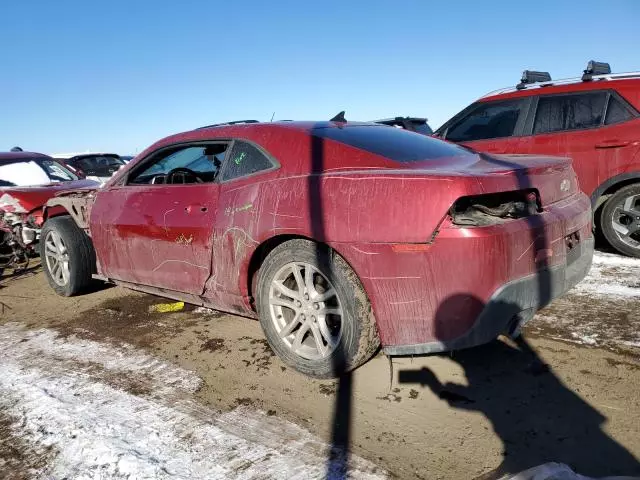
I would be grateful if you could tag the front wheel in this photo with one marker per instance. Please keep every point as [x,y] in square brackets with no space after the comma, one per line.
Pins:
[314,311]
[620,220]
[67,256]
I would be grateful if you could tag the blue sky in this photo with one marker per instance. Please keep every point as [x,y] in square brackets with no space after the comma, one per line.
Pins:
[120,74]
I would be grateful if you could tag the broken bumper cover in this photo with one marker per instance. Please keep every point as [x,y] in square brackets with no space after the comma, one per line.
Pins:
[513,304]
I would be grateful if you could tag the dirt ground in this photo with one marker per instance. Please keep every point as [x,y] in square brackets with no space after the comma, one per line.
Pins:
[504,407]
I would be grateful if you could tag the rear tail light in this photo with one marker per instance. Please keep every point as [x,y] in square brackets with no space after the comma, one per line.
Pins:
[494,208]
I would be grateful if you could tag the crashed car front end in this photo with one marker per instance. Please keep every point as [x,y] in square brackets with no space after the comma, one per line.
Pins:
[76,203]
[19,231]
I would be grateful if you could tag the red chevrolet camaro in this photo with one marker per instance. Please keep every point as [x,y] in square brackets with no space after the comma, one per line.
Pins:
[340,237]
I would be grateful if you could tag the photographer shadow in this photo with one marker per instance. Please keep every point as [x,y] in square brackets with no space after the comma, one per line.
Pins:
[536,416]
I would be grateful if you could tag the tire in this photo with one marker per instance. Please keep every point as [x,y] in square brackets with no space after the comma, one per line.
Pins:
[611,213]
[358,337]
[80,255]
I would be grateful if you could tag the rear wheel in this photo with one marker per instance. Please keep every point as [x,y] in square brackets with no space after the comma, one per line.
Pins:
[314,311]
[68,257]
[620,220]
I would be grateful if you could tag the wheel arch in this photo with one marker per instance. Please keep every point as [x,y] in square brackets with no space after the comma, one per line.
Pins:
[264,249]
[77,206]
[611,186]
[53,211]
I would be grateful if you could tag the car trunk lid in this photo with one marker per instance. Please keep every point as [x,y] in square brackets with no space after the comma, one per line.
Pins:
[552,177]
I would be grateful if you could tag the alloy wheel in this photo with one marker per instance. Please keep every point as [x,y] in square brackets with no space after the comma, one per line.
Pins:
[57,258]
[305,310]
[626,221]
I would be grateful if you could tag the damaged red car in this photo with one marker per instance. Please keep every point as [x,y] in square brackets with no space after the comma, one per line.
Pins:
[339,237]
[27,181]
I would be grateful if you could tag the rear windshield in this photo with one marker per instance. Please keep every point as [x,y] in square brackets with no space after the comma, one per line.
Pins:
[394,143]
[98,162]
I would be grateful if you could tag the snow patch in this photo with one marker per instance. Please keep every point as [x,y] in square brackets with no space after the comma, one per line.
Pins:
[555,471]
[611,276]
[71,400]
[204,311]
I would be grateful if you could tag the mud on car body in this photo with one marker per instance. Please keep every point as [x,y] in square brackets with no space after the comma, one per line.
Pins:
[338,236]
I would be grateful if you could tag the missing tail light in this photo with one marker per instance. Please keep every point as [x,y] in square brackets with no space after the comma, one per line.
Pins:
[495,208]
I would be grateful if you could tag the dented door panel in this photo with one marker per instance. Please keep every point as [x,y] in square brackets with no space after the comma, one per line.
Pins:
[156,235]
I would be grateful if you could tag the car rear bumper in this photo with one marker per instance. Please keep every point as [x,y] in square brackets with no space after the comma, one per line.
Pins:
[513,304]
[434,293]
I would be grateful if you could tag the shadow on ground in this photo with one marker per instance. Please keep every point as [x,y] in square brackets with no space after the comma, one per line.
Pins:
[537,418]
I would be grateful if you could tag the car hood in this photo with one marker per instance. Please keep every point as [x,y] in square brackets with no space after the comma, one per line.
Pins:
[27,199]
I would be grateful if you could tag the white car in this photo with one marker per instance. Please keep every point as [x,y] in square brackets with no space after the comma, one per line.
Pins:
[96,166]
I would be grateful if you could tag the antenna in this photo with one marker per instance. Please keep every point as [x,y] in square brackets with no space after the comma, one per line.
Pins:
[339,118]
[273,115]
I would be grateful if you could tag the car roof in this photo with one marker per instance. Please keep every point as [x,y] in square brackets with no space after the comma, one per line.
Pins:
[293,124]
[8,157]
[67,156]
[564,85]
[248,130]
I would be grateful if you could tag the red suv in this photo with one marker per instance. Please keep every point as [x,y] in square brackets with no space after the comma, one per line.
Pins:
[593,119]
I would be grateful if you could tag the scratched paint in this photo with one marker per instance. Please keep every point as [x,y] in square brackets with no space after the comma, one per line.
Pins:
[232,210]
[184,240]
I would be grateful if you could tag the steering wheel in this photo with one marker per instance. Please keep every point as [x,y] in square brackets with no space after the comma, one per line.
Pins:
[184,171]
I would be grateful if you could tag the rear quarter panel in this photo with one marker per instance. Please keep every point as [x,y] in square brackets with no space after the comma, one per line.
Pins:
[336,209]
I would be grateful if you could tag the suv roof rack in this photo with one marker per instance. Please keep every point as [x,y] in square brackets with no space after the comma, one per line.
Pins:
[568,81]
[531,76]
[235,122]
[595,68]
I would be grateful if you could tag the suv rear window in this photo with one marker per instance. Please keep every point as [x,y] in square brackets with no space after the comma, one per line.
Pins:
[569,112]
[393,143]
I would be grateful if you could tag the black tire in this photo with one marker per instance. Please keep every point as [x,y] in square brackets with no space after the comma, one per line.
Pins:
[359,339]
[82,256]
[606,220]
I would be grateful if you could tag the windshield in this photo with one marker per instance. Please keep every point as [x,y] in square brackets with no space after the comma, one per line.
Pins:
[36,171]
[56,171]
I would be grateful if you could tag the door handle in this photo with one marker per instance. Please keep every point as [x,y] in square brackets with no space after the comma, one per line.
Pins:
[612,144]
[196,209]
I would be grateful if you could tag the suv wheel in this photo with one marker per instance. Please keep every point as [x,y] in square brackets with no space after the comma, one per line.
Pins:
[314,311]
[68,257]
[620,220]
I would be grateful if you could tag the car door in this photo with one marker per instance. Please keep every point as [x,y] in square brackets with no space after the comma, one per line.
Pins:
[492,127]
[156,227]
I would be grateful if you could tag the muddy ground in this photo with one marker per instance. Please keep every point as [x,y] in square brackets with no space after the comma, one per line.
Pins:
[567,392]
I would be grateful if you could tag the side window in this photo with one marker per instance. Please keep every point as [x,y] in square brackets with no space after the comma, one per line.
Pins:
[616,112]
[182,165]
[569,112]
[490,120]
[245,159]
